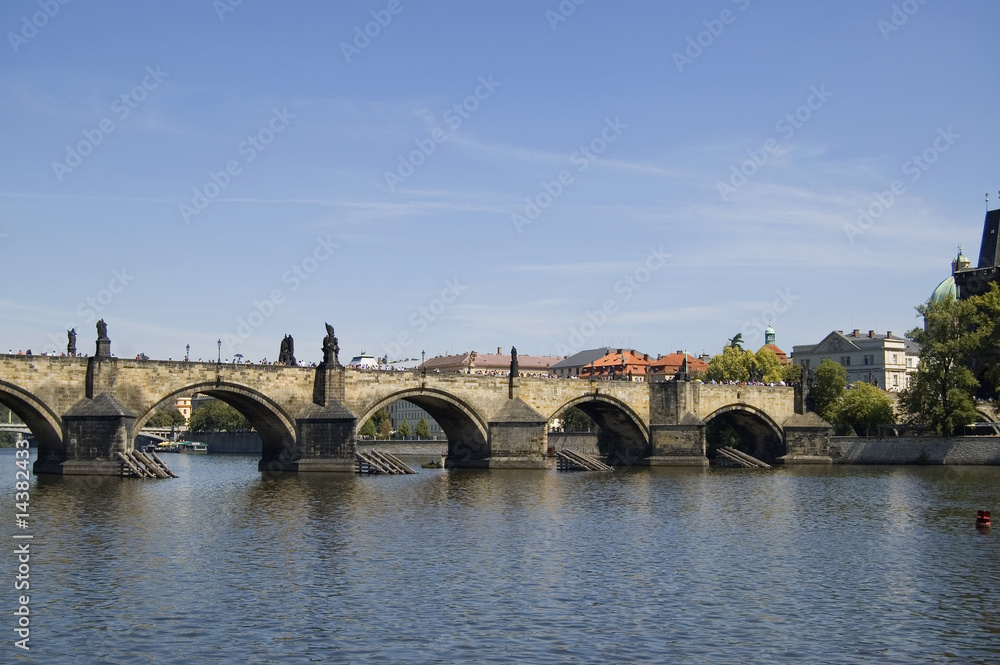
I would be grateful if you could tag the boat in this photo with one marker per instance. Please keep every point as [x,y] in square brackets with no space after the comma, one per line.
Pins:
[195,447]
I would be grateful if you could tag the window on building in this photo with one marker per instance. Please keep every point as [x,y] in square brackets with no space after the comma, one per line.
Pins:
[895,380]
[909,362]
[895,358]
[845,361]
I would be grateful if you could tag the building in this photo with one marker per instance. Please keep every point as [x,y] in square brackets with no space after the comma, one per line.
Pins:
[491,363]
[665,367]
[619,365]
[183,405]
[401,410]
[570,366]
[769,338]
[968,281]
[889,361]
[363,361]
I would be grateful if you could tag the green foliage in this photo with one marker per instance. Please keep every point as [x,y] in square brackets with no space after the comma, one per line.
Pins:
[8,439]
[829,385]
[768,365]
[941,392]
[422,430]
[216,415]
[575,420]
[403,430]
[166,418]
[736,341]
[986,362]
[792,373]
[368,429]
[862,408]
[733,364]
[8,416]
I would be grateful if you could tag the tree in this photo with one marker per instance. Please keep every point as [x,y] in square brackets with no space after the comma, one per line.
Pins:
[986,361]
[422,430]
[768,365]
[168,417]
[216,415]
[733,364]
[575,420]
[941,392]
[831,378]
[792,373]
[382,422]
[368,429]
[862,408]
[403,430]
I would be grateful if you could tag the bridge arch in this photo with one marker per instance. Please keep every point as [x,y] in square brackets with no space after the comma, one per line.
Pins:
[45,425]
[466,429]
[274,427]
[758,434]
[624,438]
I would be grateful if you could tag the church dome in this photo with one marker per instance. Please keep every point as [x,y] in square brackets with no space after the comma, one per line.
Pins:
[946,287]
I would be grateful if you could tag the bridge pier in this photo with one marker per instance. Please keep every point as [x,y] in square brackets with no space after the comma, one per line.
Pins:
[678,445]
[807,440]
[518,438]
[95,431]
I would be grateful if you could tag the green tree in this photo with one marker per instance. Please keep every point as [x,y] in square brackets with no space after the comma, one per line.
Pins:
[941,392]
[733,364]
[829,385]
[422,430]
[403,430]
[986,361]
[216,415]
[862,408]
[368,429]
[166,418]
[575,420]
[768,365]
[792,373]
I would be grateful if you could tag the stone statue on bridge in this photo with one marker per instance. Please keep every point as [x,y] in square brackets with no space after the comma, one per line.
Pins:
[513,362]
[103,343]
[71,345]
[286,356]
[331,348]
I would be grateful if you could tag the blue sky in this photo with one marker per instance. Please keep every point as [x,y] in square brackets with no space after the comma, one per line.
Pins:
[552,176]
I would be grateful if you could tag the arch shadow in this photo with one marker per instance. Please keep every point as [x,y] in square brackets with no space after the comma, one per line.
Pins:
[624,437]
[467,431]
[45,425]
[274,427]
[759,436]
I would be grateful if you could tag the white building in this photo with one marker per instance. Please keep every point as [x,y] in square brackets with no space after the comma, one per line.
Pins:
[887,360]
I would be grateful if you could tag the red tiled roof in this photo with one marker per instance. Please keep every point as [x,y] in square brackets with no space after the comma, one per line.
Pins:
[670,363]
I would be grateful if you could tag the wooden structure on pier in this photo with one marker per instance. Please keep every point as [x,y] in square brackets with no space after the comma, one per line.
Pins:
[137,464]
[376,461]
[570,460]
[727,456]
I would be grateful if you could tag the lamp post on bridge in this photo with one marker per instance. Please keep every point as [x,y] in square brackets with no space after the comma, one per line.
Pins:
[219,362]
[187,353]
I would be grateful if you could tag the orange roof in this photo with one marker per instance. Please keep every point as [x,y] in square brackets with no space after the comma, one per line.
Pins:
[670,363]
[634,363]
[782,356]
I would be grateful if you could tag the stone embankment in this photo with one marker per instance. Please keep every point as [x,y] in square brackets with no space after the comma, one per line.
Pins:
[971,450]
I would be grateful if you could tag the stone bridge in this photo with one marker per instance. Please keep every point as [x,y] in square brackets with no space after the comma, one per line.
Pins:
[82,411]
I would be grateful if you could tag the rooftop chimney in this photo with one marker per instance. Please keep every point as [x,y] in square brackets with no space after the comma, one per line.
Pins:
[871,334]
[888,334]
[499,350]
[857,333]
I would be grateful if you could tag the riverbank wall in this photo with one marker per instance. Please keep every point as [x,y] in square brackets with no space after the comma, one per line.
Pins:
[971,450]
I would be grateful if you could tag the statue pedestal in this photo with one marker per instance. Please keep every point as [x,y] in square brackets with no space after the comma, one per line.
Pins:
[103,348]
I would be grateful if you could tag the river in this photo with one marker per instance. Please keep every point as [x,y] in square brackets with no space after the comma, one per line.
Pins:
[843,564]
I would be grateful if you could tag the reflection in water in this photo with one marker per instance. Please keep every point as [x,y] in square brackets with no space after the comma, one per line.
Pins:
[225,564]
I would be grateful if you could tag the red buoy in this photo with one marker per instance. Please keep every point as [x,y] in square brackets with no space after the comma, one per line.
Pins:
[983,518]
